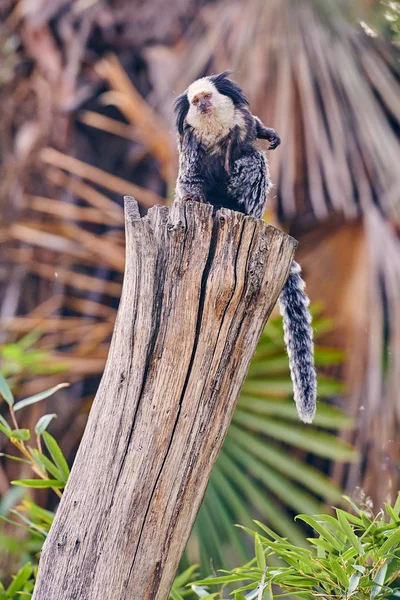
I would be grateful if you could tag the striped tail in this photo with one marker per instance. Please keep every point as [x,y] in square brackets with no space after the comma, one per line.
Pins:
[298,333]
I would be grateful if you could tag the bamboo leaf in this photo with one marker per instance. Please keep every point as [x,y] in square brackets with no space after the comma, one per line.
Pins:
[379,580]
[39,483]
[323,531]
[21,435]
[5,391]
[43,462]
[39,397]
[4,422]
[353,583]
[19,580]
[16,458]
[43,423]
[392,540]
[56,454]
[259,552]
[348,531]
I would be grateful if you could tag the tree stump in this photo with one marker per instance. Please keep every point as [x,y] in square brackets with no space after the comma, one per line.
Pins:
[197,292]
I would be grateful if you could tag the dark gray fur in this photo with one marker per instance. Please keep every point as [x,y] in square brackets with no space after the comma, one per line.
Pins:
[234,173]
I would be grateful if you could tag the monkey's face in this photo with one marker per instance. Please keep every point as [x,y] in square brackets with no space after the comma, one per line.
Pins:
[207,107]
[203,102]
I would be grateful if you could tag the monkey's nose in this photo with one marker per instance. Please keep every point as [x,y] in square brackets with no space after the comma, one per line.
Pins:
[204,105]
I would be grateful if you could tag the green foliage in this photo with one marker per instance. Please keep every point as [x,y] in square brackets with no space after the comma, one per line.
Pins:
[21,586]
[351,555]
[21,357]
[258,471]
[53,473]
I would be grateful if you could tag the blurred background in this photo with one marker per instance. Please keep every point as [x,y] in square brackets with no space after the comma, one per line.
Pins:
[86,96]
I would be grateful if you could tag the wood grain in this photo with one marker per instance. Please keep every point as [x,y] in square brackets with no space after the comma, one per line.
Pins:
[197,292]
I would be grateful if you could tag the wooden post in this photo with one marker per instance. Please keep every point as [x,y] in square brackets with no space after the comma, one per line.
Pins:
[197,293]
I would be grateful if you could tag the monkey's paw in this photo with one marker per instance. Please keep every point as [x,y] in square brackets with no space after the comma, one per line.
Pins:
[274,141]
[193,198]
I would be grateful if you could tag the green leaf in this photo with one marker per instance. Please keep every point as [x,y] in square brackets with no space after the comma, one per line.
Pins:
[44,463]
[20,434]
[56,454]
[5,391]
[353,583]
[16,458]
[239,597]
[39,397]
[43,423]
[6,430]
[396,507]
[39,483]
[348,531]
[323,531]
[379,580]
[391,513]
[38,512]
[339,571]
[174,595]
[184,577]
[201,593]
[259,551]
[4,422]
[19,580]
[392,540]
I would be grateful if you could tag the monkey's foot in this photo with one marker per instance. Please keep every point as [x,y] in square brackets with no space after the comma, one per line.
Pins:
[274,141]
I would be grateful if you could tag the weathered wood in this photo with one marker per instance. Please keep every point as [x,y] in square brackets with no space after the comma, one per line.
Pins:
[197,292]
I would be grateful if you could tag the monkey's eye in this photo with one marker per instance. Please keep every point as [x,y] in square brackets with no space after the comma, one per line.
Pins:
[208,95]
[195,101]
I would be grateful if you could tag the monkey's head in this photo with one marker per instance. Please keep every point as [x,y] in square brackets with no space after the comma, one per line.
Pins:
[213,98]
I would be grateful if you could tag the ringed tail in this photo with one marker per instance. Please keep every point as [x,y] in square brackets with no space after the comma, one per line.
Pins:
[298,335]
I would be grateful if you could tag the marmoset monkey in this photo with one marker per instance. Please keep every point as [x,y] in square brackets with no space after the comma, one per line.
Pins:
[220,164]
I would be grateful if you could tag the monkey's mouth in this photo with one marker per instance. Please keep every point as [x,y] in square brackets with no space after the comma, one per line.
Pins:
[205,109]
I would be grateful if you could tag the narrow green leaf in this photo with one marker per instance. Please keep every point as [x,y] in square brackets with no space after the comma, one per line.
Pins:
[5,391]
[348,531]
[43,462]
[353,583]
[38,397]
[201,593]
[259,552]
[39,483]
[394,517]
[323,531]
[396,507]
[223,579]
[56,454]
[20,434]
[20,579]
[6,430]
[38,512]
[239,597]
[43,423]
[184,577]
[16,458]
[174,595]
[379,580]
[4,422]
[392,540]
[339,571]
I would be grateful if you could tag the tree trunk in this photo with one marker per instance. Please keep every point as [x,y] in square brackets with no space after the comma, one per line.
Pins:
[197,293]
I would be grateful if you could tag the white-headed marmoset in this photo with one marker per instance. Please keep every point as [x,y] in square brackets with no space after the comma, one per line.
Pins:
[220,164]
